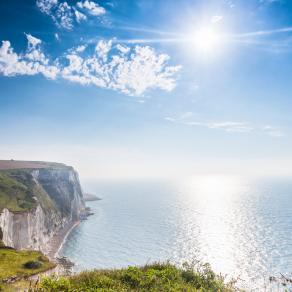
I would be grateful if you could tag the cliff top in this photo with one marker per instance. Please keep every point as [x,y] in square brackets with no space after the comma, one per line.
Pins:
[18,164]
[18,190]
[21,191]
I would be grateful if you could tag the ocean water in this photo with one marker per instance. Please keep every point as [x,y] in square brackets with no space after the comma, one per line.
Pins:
[242,227]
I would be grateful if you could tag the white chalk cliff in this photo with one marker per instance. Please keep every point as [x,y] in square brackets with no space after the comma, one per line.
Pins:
[58,203]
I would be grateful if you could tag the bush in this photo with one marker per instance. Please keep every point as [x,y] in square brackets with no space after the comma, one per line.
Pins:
[32,265]
[55,284]
[156,277]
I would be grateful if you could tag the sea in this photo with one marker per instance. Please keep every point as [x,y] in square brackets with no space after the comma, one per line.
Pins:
[241,226]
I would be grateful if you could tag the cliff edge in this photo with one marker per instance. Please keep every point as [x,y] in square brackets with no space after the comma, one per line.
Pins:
[37,201]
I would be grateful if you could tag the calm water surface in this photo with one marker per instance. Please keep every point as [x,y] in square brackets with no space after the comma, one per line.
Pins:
[242,227]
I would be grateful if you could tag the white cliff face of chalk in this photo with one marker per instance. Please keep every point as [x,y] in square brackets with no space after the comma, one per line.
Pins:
[62,205]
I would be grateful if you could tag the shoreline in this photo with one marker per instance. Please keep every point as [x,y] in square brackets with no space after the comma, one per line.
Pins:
[55,245]
[58,240]
[65,237]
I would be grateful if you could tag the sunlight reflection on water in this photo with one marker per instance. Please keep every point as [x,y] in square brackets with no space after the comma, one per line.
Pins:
[242,227]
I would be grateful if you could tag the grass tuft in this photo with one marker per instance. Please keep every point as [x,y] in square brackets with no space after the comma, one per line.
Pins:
[156,277]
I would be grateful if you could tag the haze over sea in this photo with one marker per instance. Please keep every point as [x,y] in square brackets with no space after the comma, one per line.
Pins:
[241,226]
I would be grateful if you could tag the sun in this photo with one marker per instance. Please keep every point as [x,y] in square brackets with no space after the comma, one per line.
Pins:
[205,39]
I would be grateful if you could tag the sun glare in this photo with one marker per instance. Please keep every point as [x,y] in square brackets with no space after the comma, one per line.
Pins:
[205,40]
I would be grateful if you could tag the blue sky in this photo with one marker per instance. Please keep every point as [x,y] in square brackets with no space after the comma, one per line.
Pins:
[148,88]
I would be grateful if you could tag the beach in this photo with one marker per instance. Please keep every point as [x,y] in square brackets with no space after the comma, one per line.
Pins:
[57,241]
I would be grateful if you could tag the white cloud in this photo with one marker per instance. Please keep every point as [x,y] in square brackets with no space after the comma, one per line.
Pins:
[170,119]
[227,126]
[80,49]
[144,69]
[65,15]
[102,49]
[236,127]
[33,41]
[186,115]
[273,131]
[216,18]
[46,6]
[31,63]
[123,49]
[133,74]
[92,7]
[79,16]
[231,126]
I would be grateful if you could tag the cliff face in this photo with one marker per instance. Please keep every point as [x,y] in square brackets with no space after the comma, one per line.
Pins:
[41,202]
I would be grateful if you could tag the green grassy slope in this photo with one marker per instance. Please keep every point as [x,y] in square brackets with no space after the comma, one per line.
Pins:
[18,191]
[12,264]
[155,277]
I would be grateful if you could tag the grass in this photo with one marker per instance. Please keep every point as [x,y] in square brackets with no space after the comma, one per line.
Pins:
[14,195]
[12,264]
[155,277]
[18,192]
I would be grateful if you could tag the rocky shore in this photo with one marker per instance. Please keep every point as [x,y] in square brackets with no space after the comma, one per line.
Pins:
[57,241]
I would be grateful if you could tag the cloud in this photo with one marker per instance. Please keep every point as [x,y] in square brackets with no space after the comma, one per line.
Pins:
[65,15]
[80,49]
[170,119]
[32,62]
[123,49]
[135,73]
[61,13]
[216,18]
[79,16]
[46,6]
[231,126]
[102,49]
[92,7]
[227,126]
[273,131]
[132,74]
[269,1]
[33,41]
[186,115]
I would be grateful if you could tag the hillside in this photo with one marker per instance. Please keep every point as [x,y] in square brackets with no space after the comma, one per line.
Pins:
[17,265]
[37,201]
[19,192]
[155,277]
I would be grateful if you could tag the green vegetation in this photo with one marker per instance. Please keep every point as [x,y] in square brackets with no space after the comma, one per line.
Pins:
[155,277]
[15,264]
[18,192]
[14,195]
[32,265]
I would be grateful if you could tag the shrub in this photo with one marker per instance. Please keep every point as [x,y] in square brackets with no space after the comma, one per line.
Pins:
[32,265]
[54,284]
[156,277]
